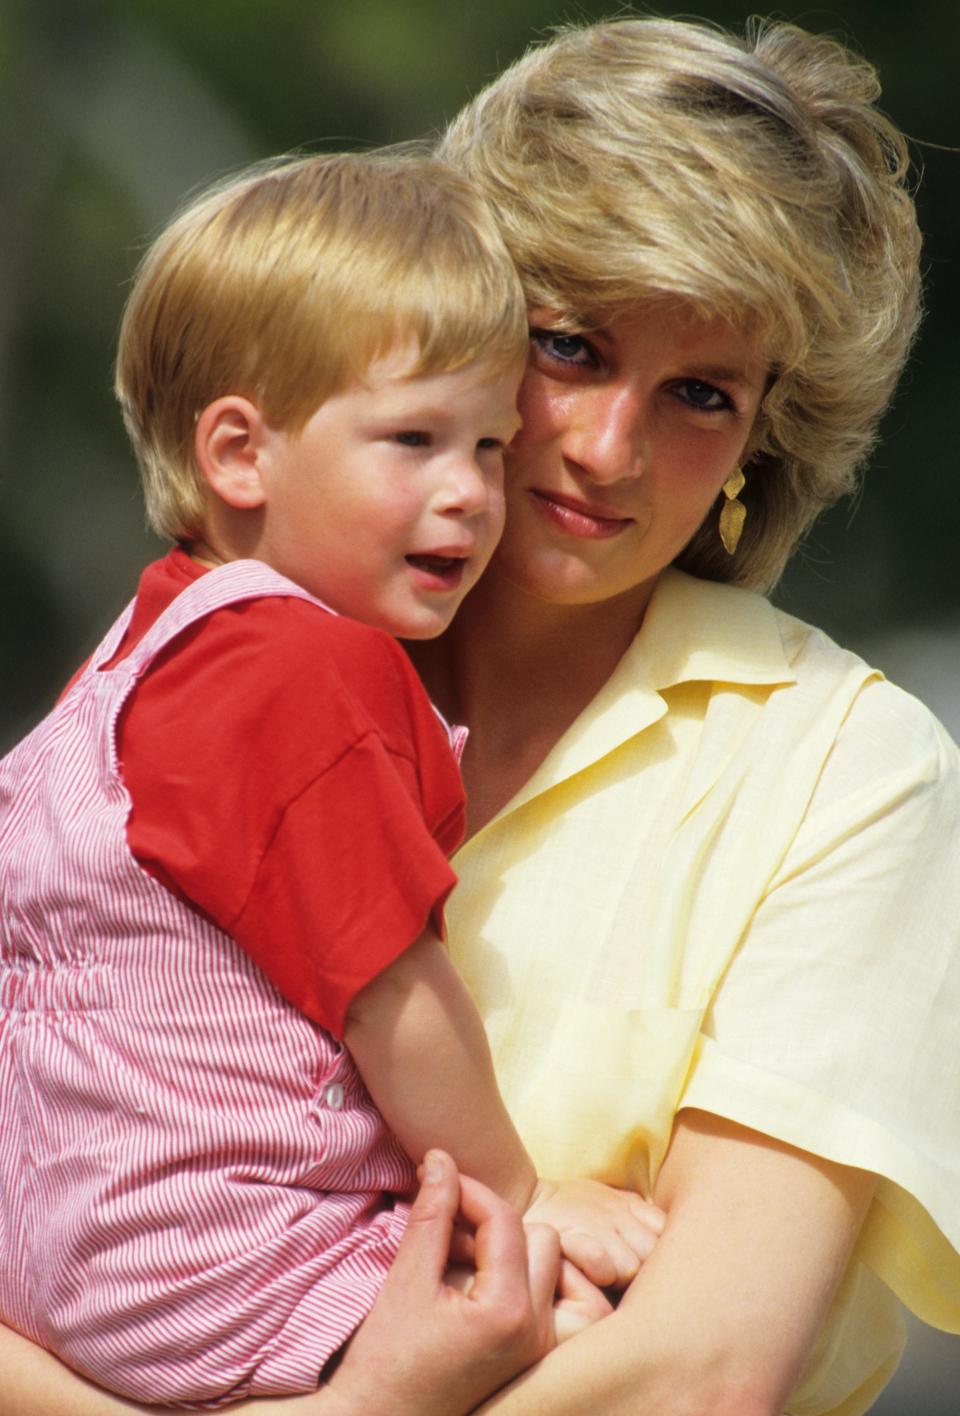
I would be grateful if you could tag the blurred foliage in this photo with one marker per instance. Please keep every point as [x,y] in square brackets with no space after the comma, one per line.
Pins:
[112,110]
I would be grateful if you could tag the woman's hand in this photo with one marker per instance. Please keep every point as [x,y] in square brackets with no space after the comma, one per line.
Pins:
[579,1303]
[424,1349]
[431,1349]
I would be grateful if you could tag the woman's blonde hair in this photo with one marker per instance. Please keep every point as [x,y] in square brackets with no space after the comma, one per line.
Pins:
[288,282]
[753,178]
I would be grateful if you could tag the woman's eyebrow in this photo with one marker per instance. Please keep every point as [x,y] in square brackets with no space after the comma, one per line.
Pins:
[724,373]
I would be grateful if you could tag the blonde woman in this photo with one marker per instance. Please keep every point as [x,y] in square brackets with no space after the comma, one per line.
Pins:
[710,906]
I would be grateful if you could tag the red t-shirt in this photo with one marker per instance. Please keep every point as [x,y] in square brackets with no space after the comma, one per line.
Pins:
[290,780]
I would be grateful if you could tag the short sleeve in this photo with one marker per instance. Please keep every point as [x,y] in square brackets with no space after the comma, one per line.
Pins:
[350,879]
[835,1026]
[290,779]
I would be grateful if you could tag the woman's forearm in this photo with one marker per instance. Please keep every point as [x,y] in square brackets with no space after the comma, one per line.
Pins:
[723,1315]
[594,1371]
[35,1383]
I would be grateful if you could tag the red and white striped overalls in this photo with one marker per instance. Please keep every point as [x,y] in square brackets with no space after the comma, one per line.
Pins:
[191,1172]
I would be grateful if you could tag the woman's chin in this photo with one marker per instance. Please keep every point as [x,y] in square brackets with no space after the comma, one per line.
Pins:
[559,578]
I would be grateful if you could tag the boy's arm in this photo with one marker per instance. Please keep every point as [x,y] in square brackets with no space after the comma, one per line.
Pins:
[417,1039]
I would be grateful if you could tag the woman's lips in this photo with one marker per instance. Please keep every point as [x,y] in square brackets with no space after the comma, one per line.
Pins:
[578,518]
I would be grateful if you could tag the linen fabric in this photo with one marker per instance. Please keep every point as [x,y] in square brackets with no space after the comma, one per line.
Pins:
[191,1171]
[733,885]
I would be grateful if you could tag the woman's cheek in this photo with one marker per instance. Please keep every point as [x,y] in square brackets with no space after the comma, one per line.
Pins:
[543,406]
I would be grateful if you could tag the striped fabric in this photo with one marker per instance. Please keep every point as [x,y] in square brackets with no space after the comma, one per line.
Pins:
[191,1173]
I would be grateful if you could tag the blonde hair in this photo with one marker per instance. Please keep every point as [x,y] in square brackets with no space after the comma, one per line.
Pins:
[286,283]
[753,178]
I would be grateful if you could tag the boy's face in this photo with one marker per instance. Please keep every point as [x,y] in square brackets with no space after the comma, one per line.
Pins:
[389,503]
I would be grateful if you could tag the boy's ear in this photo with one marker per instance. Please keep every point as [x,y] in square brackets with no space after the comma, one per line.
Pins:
[229,445]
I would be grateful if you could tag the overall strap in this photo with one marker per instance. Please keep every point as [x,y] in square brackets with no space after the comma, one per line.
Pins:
[229,584]
[110,642]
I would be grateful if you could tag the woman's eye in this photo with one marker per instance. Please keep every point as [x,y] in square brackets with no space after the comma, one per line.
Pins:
[705,396]
[412,439]
[564,348]
[490,442]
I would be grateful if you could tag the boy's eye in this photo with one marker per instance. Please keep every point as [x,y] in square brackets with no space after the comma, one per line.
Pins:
[412,438]
[490,442]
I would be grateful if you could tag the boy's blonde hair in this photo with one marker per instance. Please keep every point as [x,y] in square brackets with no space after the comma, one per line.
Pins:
[287,283]
[755,180]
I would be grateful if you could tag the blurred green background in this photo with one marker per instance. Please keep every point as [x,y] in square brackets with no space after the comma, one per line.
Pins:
[112,110]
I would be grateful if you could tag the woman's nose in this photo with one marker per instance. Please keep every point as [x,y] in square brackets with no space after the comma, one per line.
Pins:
[606,434]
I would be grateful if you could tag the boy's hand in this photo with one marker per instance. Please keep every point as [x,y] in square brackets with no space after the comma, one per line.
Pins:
[606,1233]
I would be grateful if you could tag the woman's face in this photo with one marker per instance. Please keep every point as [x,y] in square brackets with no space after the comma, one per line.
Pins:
[629,432]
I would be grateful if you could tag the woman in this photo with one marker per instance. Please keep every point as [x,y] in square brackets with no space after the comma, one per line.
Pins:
[710,906]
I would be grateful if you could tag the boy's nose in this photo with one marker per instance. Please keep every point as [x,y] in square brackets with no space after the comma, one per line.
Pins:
[466,489]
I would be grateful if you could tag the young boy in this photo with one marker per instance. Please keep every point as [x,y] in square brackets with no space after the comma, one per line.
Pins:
[230,1023]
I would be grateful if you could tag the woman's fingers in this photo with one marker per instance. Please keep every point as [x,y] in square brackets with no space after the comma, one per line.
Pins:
[423,1253]
[543,1276]
[575,1287]
[430,1347]
[503,1249]
[579,1303]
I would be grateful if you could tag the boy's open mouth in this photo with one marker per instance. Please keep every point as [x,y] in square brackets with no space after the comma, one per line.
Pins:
[436,565]
[443,571]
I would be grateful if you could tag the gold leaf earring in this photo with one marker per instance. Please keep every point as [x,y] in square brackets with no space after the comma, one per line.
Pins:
[734,513]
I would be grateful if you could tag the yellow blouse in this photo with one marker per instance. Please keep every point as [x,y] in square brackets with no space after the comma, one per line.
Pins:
[735,884]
